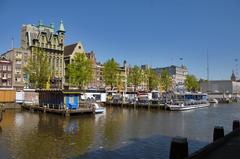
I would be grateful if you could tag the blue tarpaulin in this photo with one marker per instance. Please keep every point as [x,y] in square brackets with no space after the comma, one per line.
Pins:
[72,101]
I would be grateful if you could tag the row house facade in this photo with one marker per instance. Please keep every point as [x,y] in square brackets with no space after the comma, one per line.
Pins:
[5,73]
[19,58]
[98,81]
[70,51]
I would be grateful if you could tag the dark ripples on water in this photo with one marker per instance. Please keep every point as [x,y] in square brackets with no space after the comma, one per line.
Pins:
[149,148]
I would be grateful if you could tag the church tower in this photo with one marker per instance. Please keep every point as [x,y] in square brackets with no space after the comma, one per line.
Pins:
[233,76]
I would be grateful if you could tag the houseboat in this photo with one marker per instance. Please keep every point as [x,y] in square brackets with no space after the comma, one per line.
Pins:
[99,96]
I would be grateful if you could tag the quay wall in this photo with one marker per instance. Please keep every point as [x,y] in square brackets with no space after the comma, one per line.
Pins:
[229,143]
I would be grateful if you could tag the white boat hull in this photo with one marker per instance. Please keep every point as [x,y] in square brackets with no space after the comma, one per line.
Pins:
[187,107]
[213,101]
[99,110]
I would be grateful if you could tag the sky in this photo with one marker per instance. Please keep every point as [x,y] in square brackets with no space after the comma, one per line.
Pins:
[154,32]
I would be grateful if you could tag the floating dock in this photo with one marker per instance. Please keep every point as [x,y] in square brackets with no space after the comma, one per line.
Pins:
[64,112]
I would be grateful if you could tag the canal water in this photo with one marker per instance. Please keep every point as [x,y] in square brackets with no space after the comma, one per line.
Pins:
[118,133]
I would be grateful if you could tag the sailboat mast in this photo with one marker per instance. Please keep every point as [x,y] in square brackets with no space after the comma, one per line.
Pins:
[207,67]
[207,72]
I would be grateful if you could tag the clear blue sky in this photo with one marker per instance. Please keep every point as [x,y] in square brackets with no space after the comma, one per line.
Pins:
[155,32]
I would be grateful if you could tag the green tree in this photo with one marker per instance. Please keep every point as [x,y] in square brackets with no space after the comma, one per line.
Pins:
[120,83]
[135,77]
[145,77]
[37,69]
[153,80]
[80,71]
[110,72]
[165,81]
[191,83]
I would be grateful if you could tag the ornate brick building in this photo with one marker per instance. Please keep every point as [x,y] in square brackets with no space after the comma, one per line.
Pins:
[44,37]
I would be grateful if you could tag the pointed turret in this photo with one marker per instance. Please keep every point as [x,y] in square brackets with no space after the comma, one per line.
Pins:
[61,32]
[40,23]
[61,28]
[52,25]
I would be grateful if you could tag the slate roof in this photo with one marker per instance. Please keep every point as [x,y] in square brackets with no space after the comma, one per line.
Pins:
[68,50]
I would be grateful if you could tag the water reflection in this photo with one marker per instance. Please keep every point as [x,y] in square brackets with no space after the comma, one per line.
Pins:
[148,148]
[27,135]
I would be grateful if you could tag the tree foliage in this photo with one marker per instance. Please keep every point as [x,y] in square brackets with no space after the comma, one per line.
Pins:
[80,71]
[135,77]
[144,76]
[191,83]
[153,80]
[37,69]
[165,81]
[110,72]
[120,83]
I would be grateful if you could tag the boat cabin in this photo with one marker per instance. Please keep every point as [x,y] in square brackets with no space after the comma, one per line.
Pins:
[191,96]
[60,99]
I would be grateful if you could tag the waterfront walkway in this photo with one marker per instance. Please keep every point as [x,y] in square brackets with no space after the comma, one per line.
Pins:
[227,147]
[229,150]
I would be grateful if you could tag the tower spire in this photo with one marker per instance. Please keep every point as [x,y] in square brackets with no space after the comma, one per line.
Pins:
[40,23]
[52,25]
[61,28]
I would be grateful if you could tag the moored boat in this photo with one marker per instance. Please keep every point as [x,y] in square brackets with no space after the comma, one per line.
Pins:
[188,101]
[182,107]
[179,107]
[213,100]
[98,109]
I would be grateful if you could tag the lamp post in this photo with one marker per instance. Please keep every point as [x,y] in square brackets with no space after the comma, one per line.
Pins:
[125,80]
[181,59]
